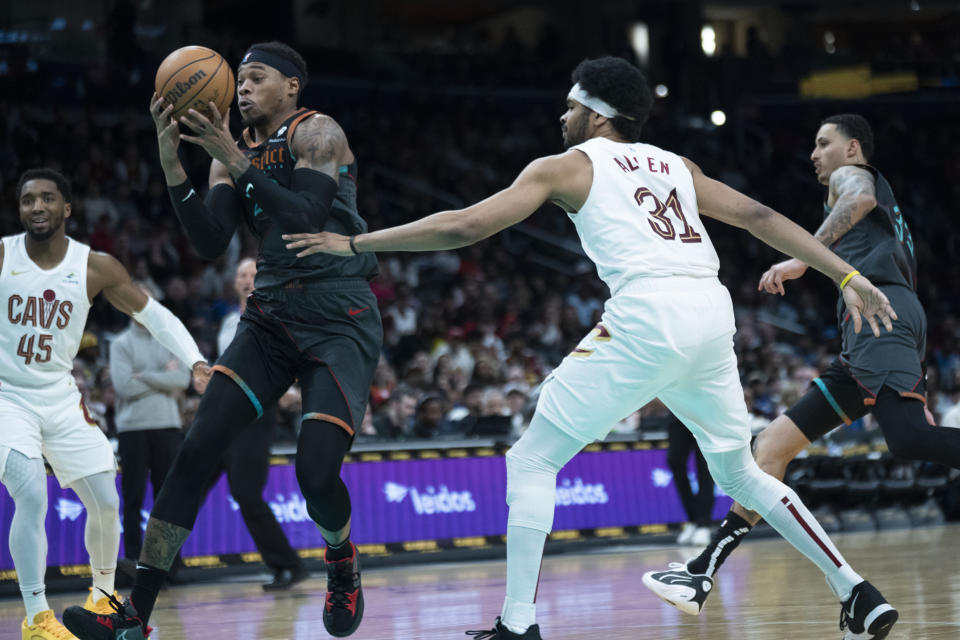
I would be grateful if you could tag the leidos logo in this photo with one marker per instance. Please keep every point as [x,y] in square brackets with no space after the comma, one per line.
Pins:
[431,500]
[293,509]
[575,492]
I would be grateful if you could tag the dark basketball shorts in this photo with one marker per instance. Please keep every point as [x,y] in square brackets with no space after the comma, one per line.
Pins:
[325,334]
[848,388]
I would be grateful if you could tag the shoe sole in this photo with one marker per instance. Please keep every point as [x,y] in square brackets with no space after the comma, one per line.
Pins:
[878,628]
[690,608]
[881,626]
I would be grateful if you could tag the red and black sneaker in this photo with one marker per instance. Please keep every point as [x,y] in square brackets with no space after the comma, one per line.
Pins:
[344,607]
[123,624]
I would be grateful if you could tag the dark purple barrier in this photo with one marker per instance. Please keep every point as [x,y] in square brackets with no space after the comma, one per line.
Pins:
[406,500]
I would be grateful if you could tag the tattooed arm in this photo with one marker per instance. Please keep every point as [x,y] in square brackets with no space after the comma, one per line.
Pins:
[321,148]
[320,144]
[853,194]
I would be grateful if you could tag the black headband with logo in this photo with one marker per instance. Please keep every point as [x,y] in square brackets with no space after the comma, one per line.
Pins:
[282,65]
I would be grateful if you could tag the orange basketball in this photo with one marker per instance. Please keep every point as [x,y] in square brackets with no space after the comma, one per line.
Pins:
[192,77]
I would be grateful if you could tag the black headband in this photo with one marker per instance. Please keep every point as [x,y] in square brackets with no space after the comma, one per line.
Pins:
[282,65]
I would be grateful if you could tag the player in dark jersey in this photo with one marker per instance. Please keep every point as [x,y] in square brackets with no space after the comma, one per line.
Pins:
[315,321]
[884,375]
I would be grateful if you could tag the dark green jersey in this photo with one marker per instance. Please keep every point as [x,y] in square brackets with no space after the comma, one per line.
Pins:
[277,265]
[880,246]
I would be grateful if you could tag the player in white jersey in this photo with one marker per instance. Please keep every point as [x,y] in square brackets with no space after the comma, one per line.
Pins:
[47,282]
[666,332]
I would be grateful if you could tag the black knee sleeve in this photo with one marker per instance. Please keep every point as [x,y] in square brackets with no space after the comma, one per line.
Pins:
[320,451]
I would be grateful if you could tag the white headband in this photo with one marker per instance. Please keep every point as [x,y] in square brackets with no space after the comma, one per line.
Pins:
[594,103]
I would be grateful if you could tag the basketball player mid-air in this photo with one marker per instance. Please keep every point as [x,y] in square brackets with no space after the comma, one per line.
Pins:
[666,332]
[883,376]
[313,320]
[47,282]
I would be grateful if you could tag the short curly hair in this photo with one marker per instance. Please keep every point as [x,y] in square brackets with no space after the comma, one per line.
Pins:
[45,173]
[855,127]
[621,85]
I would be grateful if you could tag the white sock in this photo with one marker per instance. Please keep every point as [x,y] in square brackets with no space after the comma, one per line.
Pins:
[34,604]
[26,481]
[524,555]
[103,579]
[518,616]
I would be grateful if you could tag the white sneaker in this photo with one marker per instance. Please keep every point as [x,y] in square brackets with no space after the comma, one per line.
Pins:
[679,587]
[701,537]
[686,535]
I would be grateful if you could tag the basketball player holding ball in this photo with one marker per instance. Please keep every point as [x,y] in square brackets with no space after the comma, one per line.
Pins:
[47,282]
[314,320]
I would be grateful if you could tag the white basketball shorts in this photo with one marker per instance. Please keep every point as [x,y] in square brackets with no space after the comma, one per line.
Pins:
[53,422]
[668,338]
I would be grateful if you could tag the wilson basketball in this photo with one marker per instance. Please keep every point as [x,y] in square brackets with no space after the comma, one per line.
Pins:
[192,77]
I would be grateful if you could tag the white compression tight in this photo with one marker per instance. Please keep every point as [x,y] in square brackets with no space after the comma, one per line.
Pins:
[98,493]
[737,473]
[26,482]
[532,467]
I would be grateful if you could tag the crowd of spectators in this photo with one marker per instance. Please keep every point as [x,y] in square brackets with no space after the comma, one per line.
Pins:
[469,335]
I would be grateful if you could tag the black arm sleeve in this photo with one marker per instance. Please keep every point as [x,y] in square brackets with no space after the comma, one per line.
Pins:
[209,224]
[303,208]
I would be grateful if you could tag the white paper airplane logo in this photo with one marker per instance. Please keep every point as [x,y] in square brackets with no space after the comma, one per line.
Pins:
[69,509]
[394,492]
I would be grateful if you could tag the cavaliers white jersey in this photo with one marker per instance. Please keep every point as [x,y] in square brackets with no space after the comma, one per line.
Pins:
[45,314]
[641,218]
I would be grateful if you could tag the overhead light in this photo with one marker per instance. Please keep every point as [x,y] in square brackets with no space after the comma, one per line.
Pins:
[640,41]
[661,91]
[718,117]
[914,5]
[708,40]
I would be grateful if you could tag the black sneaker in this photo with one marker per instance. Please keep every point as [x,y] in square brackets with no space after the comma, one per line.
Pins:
[344,607]
[500,632]
[677,586]
[123,624]
[286,578]
[866,615]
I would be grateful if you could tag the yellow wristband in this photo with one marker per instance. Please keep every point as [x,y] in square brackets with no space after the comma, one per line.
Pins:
[844,282]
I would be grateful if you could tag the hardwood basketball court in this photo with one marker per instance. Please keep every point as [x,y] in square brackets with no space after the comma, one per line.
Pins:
[765,591]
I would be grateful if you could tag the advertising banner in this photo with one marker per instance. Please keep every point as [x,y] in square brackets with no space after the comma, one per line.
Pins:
[404,500]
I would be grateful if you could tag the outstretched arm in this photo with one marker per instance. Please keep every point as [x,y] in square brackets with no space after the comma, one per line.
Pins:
[111,278]
[853,192]
[320,147]
[719,201]
[541,181]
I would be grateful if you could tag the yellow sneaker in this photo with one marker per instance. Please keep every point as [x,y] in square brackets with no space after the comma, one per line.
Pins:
[45,627]
[100,605]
